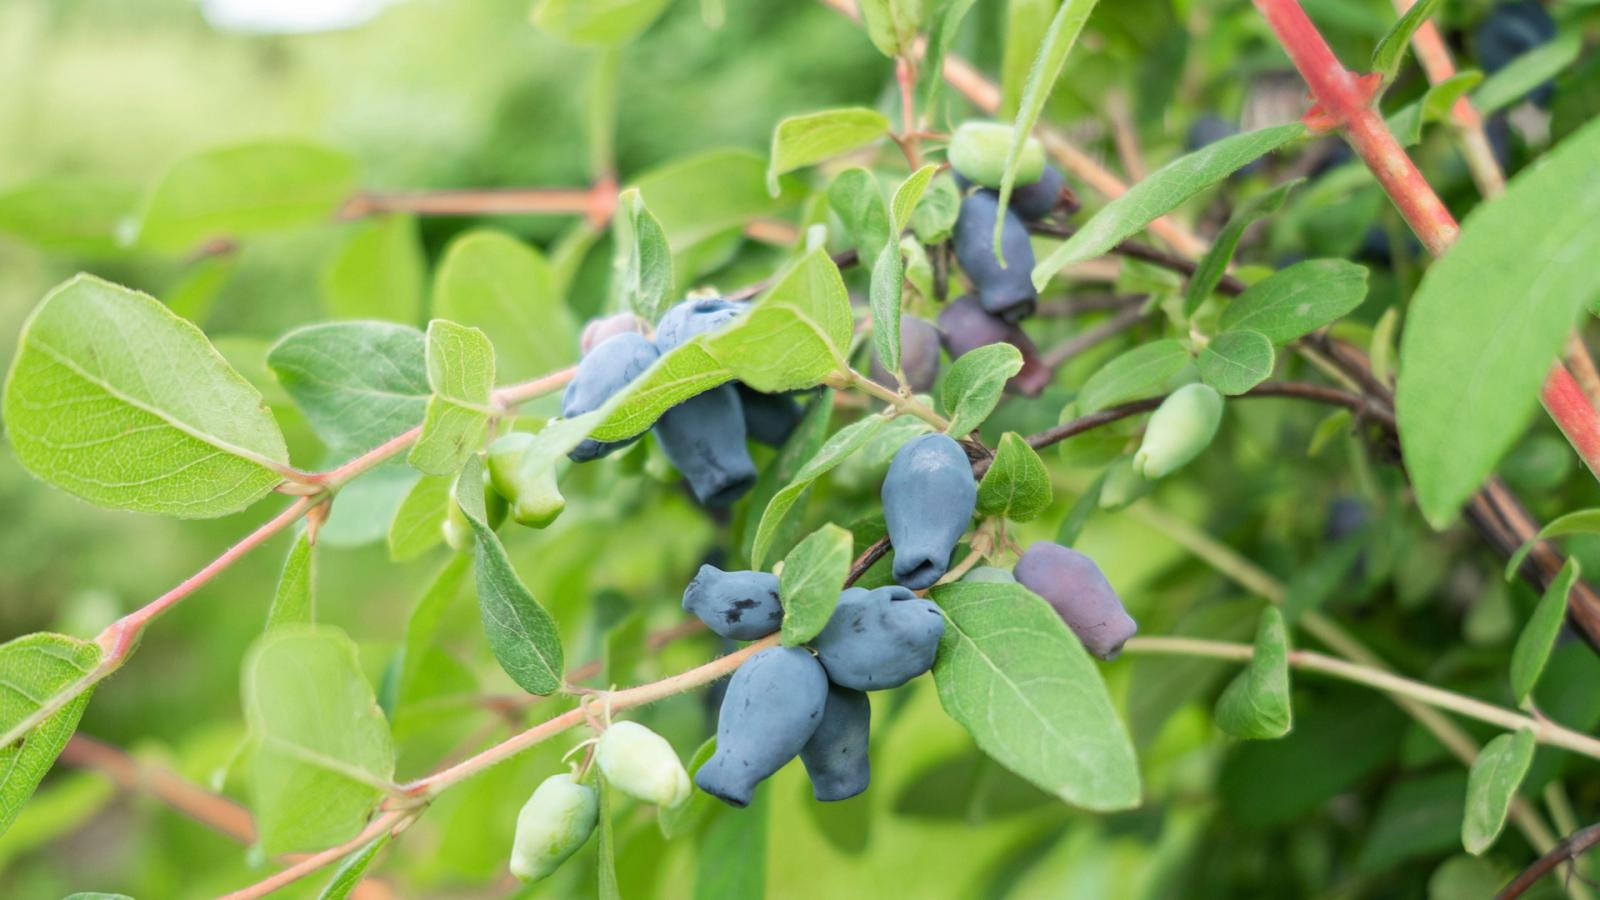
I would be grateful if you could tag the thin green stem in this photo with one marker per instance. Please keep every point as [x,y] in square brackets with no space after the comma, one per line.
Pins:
[902,403]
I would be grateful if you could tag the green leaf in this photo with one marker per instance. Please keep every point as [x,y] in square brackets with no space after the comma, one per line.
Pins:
[857,199]
[1488,319]
[908,196]
[941,34]
[1583,521]
[37,670]
[892,24]
[812,576]
[935,216]
[676,821]
[1390,53]
[73,215]
[1026,23]
[379,273]
[243,190]
[1082,509]
[1298,300]
[607,877]
[972,387]
[644,259]
[521,633]
[1016,679]
[795,335]
[1491,786]
[625,647]
[687,371]
[732,857]
[1236,361]
[416,526]
[844,442]
[461,373]
[805,140]
[295,602]
[1538,637]
[1161,192]
[323,756]
[1436,103]
[704,196]
[883,294]
[493,281]
[113,398]
[359,383]
[1141,372]
[350,872]
[1527,72]
[1046,69]
[1017,485]
[596,21]
[1255,705]
[1215,263]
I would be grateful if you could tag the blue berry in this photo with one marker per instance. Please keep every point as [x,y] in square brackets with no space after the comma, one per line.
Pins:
[704,438]
[1007,291]
[919,356]
[1036,200]
[691,318]
[928,498]
[964,326]
[611,366]
[836,756]
[880,638]
[1080,594]
[743,606]
[772,708]
[769,418]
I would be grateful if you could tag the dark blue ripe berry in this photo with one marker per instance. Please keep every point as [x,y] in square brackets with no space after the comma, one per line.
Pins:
[1007,291]
[743,606]
[964,326]
[919,356]
[769,418]
[704,438]
[692,318]
[928,498]
[607,369]
[880,638]
[1080,594]
[836,755]
[772,708]
[1036,200]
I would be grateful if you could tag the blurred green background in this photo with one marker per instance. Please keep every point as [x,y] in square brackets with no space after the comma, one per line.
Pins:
[467,94]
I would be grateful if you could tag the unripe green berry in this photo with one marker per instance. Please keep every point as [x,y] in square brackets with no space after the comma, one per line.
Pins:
[1180,428]
[990,575]
[455,527]
[535,498]
[504,458]
[978,154]
[552,825]
[1123,485]
[641,764]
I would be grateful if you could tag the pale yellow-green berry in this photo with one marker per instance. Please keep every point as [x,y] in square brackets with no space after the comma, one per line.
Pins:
[978,153]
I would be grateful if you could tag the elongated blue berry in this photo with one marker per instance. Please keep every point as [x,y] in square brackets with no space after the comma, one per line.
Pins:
[965,326]
[919,356]
[768,418]
[1080,594]
[928,498]
[607,369]
[1007,291]
[743,606]
[1036,200]
[879,639]
[836,756]
[704,438]
[773,706]
[692,318]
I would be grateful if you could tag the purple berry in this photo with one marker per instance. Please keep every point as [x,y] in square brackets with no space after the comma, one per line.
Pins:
[1075,588]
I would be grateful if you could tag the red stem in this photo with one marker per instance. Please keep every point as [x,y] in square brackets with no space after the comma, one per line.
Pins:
[1347,101]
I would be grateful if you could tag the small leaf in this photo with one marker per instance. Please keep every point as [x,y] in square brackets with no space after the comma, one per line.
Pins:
[461,374]
[521,633]
[1488,319]
[1141,372]
[892,24]
[73,214]
[113,398]
[934,219]
[359,383]
[687,371]
[1381,350]
[1298,300]
[844,442]
[1236,361]
[1583,521]
[588,22]
[1491,786]
[323,754]
[804,140]
[704,196]
[1436,103]
[908,195]
[972,386]
[349,874]
[732,854]
[38,669]
[244,190]
[795,335]
[1527,72]
[379,273]
[1011,674]
[295,603]
[813,575]
[1391,51]
[491,280]
[1161,192]
[883,295]
[857,199]
[1042,76]
[1255,705]
[1214,264]
[941,34]
[416,526]
[1017,485]
[644,276]
[1538,637]
[625,647]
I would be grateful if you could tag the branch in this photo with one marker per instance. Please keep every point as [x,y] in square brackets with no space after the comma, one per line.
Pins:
[212,810]
[393,820]
[1060,355]
[1568,849]
[1144,252]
